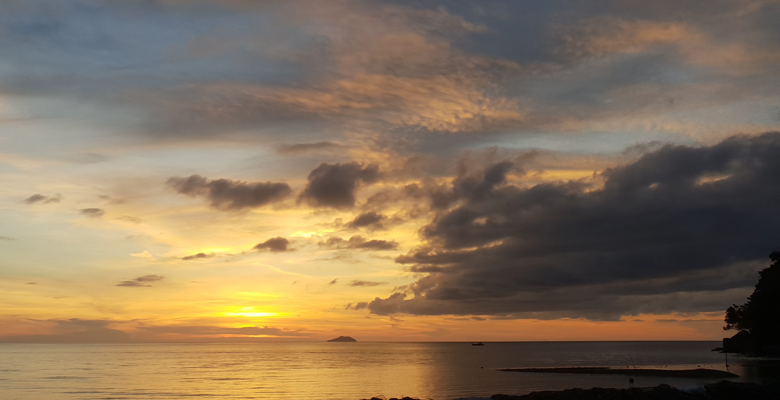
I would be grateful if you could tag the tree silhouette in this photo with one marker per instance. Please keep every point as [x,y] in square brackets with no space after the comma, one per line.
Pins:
[760,315]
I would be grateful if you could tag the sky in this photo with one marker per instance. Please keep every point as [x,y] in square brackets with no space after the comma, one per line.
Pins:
[244,170]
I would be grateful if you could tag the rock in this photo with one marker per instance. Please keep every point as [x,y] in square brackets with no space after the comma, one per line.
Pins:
[343,339]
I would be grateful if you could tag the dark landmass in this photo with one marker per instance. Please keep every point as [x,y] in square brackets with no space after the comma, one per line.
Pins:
[723,390]
[669,373]
[758,320]
[343,339]
[745,343]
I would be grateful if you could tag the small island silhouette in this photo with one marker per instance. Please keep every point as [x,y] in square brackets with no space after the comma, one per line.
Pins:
[343,339]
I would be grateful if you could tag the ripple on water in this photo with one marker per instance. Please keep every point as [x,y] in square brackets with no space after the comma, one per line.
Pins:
[65,377]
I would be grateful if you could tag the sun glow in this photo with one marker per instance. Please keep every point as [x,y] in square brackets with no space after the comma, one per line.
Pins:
[248,312]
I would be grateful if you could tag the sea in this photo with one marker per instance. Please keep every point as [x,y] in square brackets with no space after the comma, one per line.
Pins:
[314,370]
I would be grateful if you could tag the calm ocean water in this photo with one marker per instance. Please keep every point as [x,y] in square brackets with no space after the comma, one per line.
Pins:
[306,370]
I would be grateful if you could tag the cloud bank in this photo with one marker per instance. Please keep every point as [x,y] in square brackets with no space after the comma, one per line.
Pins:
[680,229]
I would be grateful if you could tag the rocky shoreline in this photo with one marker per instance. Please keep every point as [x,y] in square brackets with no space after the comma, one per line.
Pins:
[723,390]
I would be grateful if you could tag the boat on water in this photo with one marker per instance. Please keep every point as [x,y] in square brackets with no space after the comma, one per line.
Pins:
[478,344]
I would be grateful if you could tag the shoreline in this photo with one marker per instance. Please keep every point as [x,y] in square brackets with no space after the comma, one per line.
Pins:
[667,373]
[723,390]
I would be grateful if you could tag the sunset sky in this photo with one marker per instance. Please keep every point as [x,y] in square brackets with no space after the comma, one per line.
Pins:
[194,170]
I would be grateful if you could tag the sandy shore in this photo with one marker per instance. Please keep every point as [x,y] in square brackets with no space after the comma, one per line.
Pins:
[669,373]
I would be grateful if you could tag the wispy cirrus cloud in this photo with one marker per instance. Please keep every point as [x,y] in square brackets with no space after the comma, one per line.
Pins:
[92,212]
[358,242]
[141,281]
[305,148]
[197,256]
[359,283]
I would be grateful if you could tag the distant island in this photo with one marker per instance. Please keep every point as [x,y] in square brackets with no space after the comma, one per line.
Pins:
[343,339]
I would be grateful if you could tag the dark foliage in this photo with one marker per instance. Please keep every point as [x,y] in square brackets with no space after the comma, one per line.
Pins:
[760,315]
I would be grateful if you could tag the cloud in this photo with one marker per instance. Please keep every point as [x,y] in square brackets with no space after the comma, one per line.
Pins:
[39,198]
[441,101]
[274,245]
[141,281]
[333,282]
[93,212]
[357,306]
[130,218]
[76,331]
[302,148]
[385,65]
[680,229]
[197,256]
[6,238]
[206,330]
[334,185]
[359,242]
[366,283]
[229,195]
[602,36]
[693,41]
[369,219]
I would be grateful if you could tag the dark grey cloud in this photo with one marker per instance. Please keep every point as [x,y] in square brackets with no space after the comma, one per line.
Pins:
[358,242]
[369,219]
[93,212]
[357,306]
[141,281]
[39,198]
[303,148]
[334,185]
[229,195]
[680,229]
[366,283]
[198,256]
[274,245]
